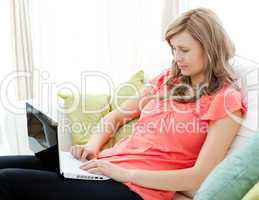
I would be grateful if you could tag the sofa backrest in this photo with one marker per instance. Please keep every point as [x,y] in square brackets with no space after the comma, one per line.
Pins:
[248,79]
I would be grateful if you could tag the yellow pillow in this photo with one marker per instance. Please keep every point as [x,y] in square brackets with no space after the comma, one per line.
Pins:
[81,122]
[87,113]
[128,89]
[253,193]
[124,91]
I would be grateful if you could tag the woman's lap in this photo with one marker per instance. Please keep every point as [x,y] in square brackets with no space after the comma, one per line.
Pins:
[24,162]
[31,182]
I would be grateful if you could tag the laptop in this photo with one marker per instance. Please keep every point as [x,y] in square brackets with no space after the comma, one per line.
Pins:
[44,138]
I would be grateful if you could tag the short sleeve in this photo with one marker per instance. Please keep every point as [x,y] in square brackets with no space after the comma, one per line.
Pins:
[223,103]
[158,81]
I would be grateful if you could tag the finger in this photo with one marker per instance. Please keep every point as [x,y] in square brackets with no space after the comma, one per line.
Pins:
[91,156]
[89,164]
[77,150]
[84,154]
[95,171]
[74,151]
[80,152]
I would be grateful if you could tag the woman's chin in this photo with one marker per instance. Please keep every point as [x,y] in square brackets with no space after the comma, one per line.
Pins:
[185,73]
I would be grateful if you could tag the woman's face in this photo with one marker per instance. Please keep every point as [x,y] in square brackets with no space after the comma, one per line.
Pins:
[189,56]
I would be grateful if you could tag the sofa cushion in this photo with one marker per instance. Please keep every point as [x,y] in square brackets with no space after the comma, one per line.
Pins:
[124,91]
[253,193]
[127,89]
[248,79]
[234,176]
[84,112]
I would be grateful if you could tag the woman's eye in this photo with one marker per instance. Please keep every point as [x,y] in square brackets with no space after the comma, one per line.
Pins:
[185,51]
[180,50]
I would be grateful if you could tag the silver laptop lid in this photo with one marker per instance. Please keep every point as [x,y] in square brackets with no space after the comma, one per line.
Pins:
[42,132]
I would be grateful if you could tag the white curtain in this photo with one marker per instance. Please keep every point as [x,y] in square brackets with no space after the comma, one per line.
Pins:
[22,47]
[171,10]
[110,36]
[16,72]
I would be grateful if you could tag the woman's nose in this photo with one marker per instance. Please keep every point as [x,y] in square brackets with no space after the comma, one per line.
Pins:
[178,57]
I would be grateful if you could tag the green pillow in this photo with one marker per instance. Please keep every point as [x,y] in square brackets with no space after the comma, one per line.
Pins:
[234,176]
[253,193]
[124,91]
[128,89]
[94,102]
[84,114]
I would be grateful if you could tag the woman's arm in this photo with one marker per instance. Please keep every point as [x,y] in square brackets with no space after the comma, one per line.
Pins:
[219,138]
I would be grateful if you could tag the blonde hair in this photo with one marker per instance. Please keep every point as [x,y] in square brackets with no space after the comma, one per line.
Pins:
[205,27]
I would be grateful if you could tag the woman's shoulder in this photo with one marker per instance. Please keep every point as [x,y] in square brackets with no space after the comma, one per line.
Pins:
[226,100]
[225,88]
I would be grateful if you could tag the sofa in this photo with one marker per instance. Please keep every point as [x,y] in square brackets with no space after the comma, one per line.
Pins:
[248,79]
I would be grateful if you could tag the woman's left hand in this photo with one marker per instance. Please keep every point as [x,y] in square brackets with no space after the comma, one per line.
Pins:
[102,167]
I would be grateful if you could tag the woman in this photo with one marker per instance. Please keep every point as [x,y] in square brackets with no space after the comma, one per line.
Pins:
[189,116]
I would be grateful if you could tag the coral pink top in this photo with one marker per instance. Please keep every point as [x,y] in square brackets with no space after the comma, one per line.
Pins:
[169,135]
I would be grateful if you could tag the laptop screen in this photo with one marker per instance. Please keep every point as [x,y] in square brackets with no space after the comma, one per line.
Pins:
[42,130]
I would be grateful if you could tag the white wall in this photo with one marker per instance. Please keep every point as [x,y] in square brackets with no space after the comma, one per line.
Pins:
[240,19]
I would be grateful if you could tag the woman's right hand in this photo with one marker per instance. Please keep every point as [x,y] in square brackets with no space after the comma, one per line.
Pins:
[82,152]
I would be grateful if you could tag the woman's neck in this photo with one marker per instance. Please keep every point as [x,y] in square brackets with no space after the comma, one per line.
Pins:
[197,80]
